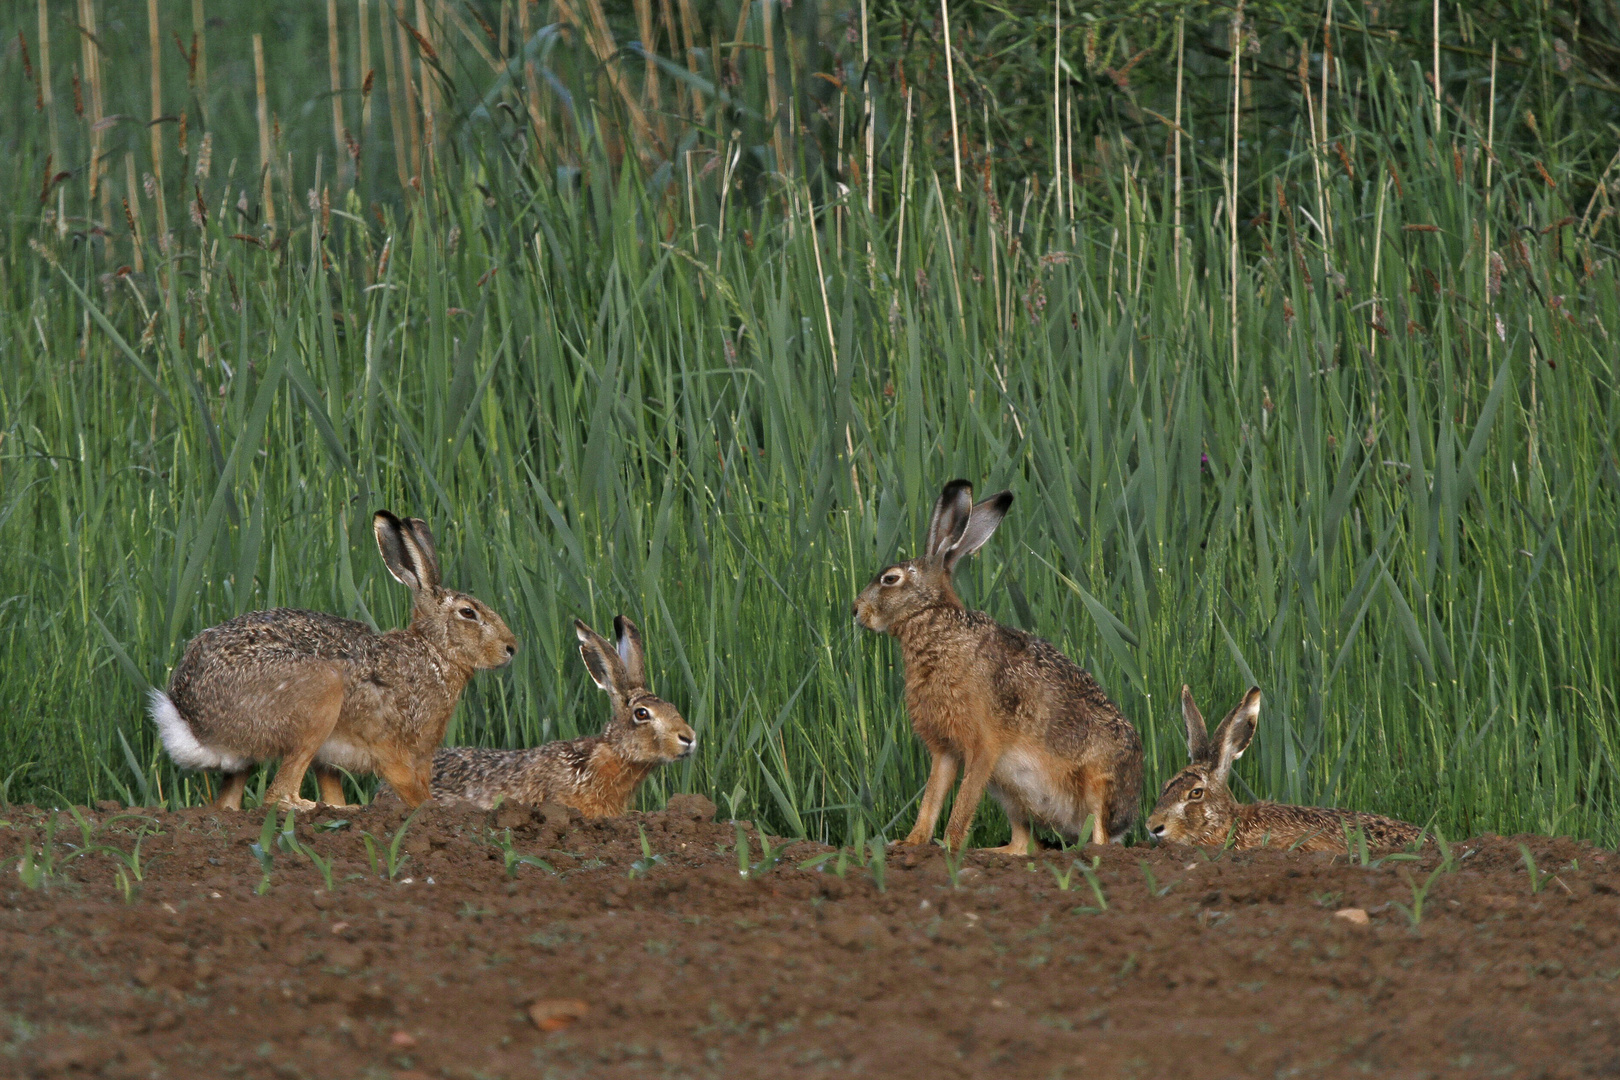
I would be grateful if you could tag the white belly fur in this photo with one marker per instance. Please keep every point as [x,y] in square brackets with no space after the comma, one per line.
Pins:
[345,755]
[1022,775]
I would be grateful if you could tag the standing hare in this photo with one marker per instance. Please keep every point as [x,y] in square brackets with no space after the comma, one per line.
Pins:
[596,775]
[307,687]
[1196,807]
[1013,711]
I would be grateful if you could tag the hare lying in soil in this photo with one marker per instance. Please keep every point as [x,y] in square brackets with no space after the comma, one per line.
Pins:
[308,687]
[596,775]
[1195,806]
[1013,711]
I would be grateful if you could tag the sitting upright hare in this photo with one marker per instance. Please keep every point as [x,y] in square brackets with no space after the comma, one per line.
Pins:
[1195,806]
[596,775]
[1012,710]
[307,687]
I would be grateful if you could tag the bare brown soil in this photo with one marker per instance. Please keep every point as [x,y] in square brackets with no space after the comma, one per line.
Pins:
[1240,968]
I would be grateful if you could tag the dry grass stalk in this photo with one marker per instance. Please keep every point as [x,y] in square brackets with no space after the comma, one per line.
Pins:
[1057,101]
[649,84]
[365,70]
[408,99]
[155,39]
[90,63]
[690,27]
[1181,56]
[600,39]
[46,97]
[335,70]
[396,122]
[132,201]
[1437,74]
[1232,184]
[428,88]
[266,147]
[905,189]
[766,8]
[199,26]
[866,113]
[950,87]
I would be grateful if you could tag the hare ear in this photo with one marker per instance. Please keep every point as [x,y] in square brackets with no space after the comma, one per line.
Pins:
[1236,732]
[630,654]
[399,550]
[1197,733]
[951,515]
[606,669]
[422,536]
[981,525]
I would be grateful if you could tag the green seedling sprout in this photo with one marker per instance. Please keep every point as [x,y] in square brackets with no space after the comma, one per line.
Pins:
[322,865]
[953,864]
[392,861]
[264,851]
[1538,878]
[1090,873]
[878,865]
[1064,877]
[130,862]
[640,868]
[1414,914]
[1155,890]
[512,858]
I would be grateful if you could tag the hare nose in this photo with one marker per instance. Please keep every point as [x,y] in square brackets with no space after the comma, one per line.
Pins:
[511,650]
[686,740]
[1156,830]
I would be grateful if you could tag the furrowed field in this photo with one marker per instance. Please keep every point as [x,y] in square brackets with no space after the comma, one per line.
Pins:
[695,332]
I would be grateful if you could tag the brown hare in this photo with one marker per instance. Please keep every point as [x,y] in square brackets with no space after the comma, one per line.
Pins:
[1010,709]
[1196,807]
[307,687]
[596,775]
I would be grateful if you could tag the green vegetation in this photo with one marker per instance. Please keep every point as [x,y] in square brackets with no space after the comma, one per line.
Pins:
[1348,436]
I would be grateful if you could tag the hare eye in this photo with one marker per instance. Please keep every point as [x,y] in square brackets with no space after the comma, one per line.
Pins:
[891,578]
[469,613]
[642,714]
[1195,793]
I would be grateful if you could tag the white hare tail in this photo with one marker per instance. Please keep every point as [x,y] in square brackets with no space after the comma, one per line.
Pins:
[181,743]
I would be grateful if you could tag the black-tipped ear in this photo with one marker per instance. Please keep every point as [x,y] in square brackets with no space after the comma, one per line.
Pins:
[1197,733]
[1236,732]
[951,515]
[398,550]
[630,654]
[604,665]
[981,525]
[426,553]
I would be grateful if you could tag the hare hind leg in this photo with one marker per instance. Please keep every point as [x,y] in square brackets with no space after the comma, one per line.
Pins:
[312,712]
[413,784]
[1023,842]
[330,782]
[1098,803]
[231,787]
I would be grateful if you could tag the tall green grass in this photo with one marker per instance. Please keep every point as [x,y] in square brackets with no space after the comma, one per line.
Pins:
[1389,501]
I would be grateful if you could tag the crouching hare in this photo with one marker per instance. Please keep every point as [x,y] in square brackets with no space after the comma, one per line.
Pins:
[596,775]
[308,687]
[1012,711]
[1196,807]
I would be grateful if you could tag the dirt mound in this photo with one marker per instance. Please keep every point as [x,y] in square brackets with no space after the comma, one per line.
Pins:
[527,942]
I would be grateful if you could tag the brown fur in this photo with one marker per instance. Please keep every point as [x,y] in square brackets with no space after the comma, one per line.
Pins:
[1015,714]
[1196,807]
[307,687]
[596,775]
